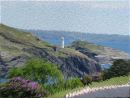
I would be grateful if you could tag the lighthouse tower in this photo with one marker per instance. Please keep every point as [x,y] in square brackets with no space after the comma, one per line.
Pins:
[62,42]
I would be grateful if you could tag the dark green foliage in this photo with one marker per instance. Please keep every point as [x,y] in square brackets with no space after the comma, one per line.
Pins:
[73,83]
[119,68]
[106,75]
[38,70]
[87,80]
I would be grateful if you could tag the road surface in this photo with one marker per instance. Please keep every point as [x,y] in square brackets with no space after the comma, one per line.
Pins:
[119,92]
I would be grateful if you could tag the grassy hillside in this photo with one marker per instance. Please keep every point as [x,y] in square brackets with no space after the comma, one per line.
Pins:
[113,81]
[17,46]
[20,36]
[12,41]
[10,35]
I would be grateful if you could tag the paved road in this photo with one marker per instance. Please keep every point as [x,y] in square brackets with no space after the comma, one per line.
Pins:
[120,92]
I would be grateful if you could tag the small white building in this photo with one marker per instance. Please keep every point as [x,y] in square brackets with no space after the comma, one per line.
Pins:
[62,42]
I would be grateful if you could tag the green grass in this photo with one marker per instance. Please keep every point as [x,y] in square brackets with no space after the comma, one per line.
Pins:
[90,46]
[113,81]
[21,36]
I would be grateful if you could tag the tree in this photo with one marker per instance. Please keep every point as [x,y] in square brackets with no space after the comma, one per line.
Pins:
[119,68]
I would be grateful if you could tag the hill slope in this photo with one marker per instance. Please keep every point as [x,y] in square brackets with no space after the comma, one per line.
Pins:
[98,49]
[17,46]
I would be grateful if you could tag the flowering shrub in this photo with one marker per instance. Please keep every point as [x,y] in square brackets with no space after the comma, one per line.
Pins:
[42,71]
[20,88]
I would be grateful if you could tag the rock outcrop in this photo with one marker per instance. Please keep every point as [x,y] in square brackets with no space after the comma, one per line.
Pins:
[102,54]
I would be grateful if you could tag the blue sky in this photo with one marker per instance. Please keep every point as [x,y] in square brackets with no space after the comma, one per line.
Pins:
[108,16]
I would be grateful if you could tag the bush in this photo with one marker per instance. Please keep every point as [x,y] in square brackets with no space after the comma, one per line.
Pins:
[86,80]
[105,74]
[42,71]
[39,70]
[73,83]
[119,68]
[21,88]
[98,77]
[55,87]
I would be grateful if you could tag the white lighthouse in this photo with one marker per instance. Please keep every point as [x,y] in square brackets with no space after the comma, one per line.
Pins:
[62,42]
